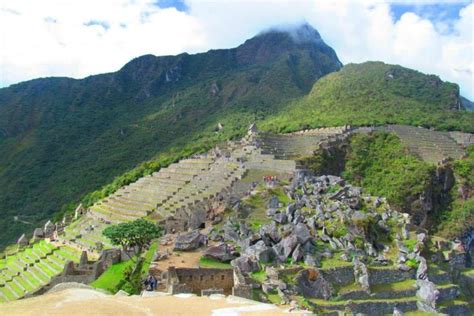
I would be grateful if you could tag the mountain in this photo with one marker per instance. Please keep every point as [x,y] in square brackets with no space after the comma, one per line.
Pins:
[375,93]
[468,105]
[61,138]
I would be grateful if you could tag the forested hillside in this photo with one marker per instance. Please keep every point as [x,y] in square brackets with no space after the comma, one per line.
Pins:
[61,138]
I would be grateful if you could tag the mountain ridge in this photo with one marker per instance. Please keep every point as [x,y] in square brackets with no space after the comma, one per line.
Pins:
[69,136]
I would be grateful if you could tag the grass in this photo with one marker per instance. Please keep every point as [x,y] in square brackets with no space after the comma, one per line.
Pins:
[259,276]
[279,192]
[213,263]
[113,279]
[333,262]
[394,287]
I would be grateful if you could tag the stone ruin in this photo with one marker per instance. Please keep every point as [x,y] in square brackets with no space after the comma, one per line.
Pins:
[200,281]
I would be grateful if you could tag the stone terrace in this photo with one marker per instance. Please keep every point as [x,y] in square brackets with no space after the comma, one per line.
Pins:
[296,145]
[31,268]
[431,146]
[141,198]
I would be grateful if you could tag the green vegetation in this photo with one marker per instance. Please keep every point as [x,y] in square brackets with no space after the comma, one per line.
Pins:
[259,276]
[374,93]
[130,235]
[211,263]
[80,140]
[394,287]
[389,172]
[458,217]
[120,276]
[68,138]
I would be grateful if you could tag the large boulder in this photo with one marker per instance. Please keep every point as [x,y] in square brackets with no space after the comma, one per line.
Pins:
[189,241]
[262,252]
[221,252]
[311,283]
[288,244]
[270,231]
[245,264]
[428,295]
[302,233]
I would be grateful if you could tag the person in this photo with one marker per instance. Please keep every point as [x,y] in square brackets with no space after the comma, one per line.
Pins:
[149,283]
[154,283]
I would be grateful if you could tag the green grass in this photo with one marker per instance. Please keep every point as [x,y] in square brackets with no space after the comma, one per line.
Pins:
[280,194]
[113,279]
[259,276]
[333,262]
[274,298]
[213,263]
[394,287]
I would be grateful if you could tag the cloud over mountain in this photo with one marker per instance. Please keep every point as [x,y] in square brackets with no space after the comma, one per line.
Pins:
[71,38]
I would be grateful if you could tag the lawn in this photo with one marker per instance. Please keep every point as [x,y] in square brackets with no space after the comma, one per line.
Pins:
[213,264]
[113,278]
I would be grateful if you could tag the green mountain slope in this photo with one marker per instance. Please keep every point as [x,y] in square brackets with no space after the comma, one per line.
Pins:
[377,93]
[61,138]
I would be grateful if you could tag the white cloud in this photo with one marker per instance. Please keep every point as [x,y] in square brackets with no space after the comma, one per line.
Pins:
[49,37]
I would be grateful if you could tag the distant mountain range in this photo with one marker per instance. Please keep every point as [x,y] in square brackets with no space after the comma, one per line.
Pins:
[61,138]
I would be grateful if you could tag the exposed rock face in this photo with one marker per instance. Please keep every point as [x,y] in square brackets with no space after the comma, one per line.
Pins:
[189,241]
[311,283]
[221,252]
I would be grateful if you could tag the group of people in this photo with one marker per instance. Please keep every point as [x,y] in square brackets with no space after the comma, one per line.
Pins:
[150,283]
[270,180]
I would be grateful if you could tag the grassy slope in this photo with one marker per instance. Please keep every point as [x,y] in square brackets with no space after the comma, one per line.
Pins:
[376,93]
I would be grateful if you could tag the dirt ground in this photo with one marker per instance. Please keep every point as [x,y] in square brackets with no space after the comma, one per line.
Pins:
[74,302]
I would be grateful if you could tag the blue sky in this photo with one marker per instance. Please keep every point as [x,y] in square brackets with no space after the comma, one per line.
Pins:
[81,38]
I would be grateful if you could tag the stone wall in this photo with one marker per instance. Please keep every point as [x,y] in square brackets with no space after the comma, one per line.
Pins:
[197,280]
[388,275]
[339,276]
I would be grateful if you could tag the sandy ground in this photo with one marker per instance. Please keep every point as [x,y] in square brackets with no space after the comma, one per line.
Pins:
[73,302]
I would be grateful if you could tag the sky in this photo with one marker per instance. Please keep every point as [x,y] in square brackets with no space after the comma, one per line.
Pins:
[80,38]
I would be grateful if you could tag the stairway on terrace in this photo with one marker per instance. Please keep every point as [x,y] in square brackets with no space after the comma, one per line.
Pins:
[428,145]
[32,267]
[141,198]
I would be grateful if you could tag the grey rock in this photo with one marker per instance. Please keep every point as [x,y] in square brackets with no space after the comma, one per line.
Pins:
[262,252]
[273,203]
[221,252]
[280,218]
[422,271]
[245,264]
[297,253]
[302,233]
[271,231]
[189,241]
[404,267]
[397,312]
[311,283]
[288,244]
[428,295]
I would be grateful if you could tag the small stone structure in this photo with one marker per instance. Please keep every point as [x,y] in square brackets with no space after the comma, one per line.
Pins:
[191,280]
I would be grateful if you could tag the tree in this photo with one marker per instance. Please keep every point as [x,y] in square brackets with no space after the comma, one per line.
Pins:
[136,234]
